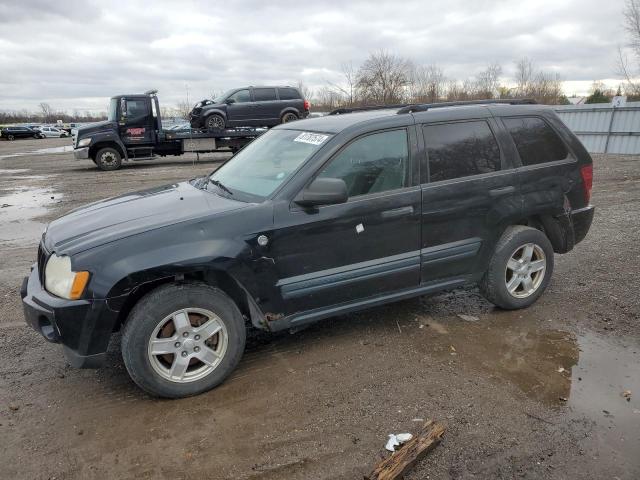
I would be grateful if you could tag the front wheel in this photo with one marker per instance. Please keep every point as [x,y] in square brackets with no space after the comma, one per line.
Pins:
[10,137]
[183,339]
[215,122]
[108,159]
[520,269]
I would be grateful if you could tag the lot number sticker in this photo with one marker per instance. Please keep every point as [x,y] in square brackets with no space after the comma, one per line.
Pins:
[312,138]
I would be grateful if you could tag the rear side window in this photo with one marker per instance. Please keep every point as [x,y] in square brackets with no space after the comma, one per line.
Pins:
[461,149]
[535,140]
[372,164]
[288,94]
[264,94]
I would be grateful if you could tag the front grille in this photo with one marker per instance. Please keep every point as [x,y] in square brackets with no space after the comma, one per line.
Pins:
[43,256]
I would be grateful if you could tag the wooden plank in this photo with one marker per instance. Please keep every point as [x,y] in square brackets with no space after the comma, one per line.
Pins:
[402,460]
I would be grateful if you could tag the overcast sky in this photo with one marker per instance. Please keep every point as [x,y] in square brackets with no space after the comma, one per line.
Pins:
[77,53]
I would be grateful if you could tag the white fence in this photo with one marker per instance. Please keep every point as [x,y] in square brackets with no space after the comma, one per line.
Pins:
[603,128]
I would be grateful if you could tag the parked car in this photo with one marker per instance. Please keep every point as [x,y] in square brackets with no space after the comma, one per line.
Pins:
[313,219]
[250,107]
[11,133]
[54,132]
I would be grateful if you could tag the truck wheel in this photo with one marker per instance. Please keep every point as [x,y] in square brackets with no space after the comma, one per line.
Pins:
[289,117]
[108,159]
[183,339]
[215,122]
[520,268]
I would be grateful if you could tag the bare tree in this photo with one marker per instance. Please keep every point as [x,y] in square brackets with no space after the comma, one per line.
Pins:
[524,76]
[427,84]
[488,81]
[306,92]
[382,78]
[347,90]
[631,16]
[183,109]
[46,112]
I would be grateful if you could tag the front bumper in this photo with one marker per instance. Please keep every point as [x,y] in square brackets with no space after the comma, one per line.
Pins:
[83,327]
[81,153]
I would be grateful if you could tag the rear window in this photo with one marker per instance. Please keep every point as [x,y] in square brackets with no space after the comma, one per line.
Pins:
[288,94]
[461,149]
[535,140]
[264,94]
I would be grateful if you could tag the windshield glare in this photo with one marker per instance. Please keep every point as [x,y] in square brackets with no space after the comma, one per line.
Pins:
[113,108]
[263,165]
[221,98]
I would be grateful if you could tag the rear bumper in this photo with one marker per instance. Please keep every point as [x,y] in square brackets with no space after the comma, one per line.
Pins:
[581,220]
[83,327]
[81,153]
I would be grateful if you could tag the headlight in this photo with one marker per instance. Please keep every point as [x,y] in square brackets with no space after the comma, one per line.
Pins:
[84,142]
[60,280]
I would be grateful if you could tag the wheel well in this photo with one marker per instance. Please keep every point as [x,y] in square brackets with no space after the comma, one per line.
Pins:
[94,149]
[552,228]
[290,110]
[215,278]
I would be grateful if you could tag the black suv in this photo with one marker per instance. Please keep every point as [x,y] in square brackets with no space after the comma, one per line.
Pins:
[11,133]
[313,219]
[250,107]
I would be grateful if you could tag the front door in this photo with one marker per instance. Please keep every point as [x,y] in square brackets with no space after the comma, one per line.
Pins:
[468,194]
[360,249]
[136,122]
[241,112]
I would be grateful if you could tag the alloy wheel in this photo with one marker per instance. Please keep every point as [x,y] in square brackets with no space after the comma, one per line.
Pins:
[525,270]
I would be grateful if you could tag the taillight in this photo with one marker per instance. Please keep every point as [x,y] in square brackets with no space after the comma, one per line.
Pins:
[587,180]
[307,105]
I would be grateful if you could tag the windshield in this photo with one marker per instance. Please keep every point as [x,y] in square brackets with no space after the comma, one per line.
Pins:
[220,98]
[113,110]
[263,165]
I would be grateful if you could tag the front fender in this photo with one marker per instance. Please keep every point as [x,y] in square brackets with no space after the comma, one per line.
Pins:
[107,137]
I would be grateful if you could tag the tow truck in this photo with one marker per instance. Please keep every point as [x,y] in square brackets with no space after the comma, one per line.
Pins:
[133,131]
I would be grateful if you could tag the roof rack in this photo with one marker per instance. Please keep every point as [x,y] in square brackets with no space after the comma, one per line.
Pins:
[343,110]
[423,107]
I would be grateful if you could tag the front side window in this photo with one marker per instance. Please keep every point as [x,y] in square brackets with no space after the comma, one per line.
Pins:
[372,164]
[461,149]
[136,108]
[241,96]
[535,140]
[264,94]
[263,165]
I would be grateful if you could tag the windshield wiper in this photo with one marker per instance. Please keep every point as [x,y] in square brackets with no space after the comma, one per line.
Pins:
[220,185]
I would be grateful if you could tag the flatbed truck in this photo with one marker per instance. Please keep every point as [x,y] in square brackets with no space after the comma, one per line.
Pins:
[133,131]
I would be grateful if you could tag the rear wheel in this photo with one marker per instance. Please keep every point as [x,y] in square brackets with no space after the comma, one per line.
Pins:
[289,117]
[520,268]
[181,340]
[215,122]
[108,159]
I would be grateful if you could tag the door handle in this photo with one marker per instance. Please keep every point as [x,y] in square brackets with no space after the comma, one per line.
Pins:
[499,192]
[397,212]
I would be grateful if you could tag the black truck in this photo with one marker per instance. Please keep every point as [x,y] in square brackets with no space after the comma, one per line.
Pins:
[133,131]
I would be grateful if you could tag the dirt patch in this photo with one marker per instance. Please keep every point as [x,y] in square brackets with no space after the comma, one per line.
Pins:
[538,393]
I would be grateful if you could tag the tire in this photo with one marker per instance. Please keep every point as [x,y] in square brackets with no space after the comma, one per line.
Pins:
[36,136]
[215,122]
[159,373]
[289,117]
[108,159]
[10,137]
[512,281]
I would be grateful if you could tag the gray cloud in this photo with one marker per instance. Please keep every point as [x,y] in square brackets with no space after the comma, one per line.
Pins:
[75,54]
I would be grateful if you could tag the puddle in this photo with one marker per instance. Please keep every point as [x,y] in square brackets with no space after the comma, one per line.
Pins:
[17,213]
[41,151]
[585,374]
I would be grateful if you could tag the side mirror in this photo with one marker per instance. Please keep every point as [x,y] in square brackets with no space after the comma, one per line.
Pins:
[323,191]
[229,101]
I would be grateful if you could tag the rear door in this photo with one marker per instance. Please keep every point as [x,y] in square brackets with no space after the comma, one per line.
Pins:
[469,193]
[267,105]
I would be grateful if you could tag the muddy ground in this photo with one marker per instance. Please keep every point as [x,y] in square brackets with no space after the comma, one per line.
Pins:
[536,393]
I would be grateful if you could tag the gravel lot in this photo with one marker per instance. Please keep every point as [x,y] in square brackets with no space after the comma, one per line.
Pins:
[528,394]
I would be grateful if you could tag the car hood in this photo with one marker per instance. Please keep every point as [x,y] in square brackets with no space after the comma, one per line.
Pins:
[116,218]
[96,127]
